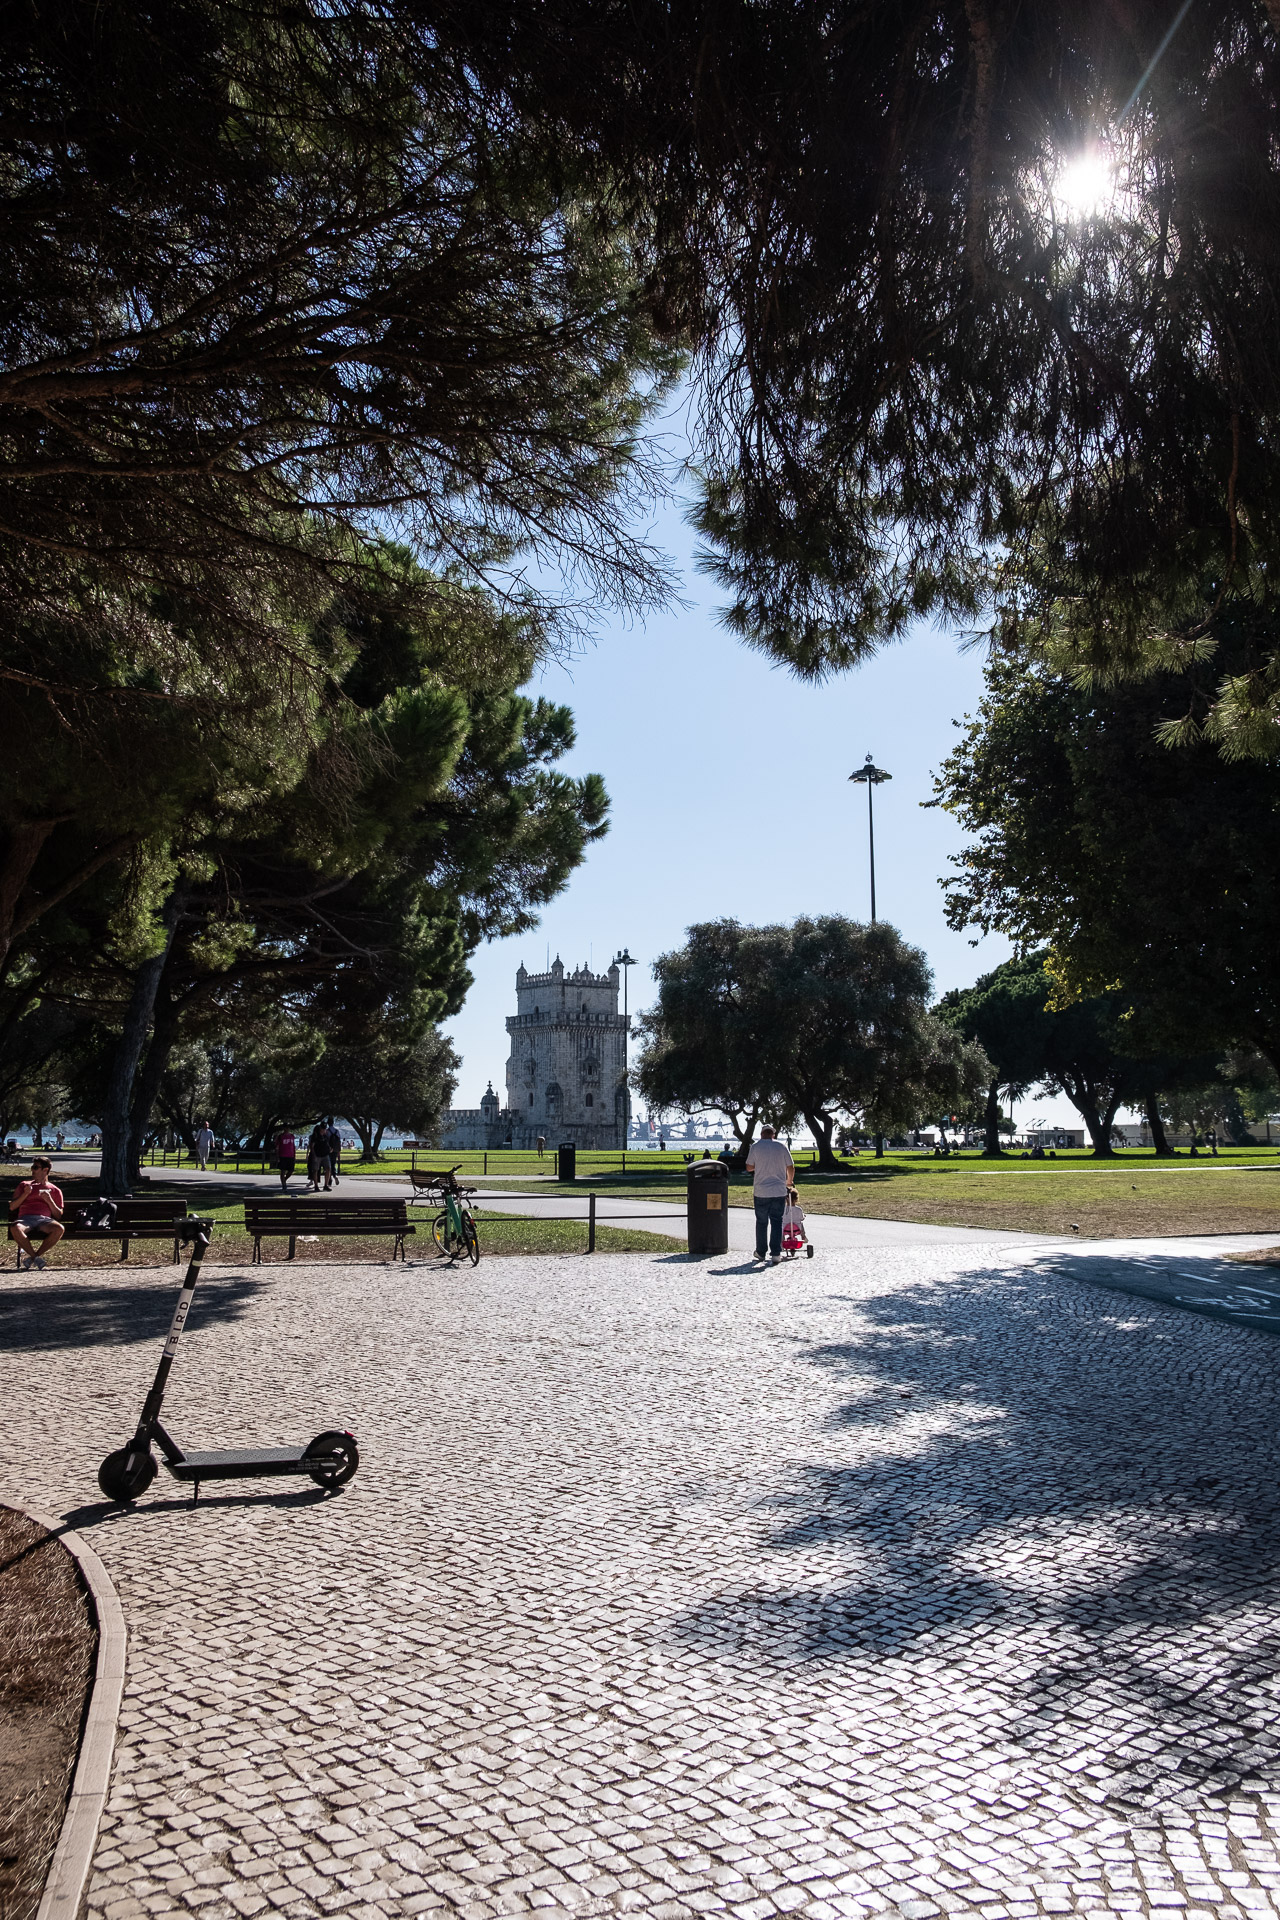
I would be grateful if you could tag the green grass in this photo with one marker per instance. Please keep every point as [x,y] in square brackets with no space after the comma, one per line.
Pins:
[1133,1195]
[500,1234]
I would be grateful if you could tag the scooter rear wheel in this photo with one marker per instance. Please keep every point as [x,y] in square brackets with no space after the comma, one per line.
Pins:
[126,1473]
[339,1458]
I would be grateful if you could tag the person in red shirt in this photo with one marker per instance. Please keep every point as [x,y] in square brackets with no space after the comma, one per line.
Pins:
[286,1156]
[35,1212]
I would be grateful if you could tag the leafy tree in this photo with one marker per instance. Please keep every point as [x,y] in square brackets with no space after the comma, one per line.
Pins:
[1151,874]
[1005,1013]
[391,1084]
[428,816]
[699,1047]
[297,274]
[929,377]
[439,250]
[817,1020]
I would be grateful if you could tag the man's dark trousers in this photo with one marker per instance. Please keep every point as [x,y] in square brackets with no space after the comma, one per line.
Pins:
[769,1220]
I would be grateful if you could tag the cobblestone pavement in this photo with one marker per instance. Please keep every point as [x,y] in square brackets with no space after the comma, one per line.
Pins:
[896,1584]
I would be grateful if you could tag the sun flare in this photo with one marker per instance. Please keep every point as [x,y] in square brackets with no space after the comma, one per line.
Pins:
[1085,184]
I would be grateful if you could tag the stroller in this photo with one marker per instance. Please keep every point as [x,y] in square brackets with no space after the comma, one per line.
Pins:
[793,1234]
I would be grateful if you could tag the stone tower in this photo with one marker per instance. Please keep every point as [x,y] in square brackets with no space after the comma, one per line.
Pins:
[567,1075]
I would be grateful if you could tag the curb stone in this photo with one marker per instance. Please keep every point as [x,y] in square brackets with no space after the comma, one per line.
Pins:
[68,1877]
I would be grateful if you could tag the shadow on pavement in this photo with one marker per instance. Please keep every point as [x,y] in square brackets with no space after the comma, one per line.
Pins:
[76,1314]
[1070,1506]
[1224,1290]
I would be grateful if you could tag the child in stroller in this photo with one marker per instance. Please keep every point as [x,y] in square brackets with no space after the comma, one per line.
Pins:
[793,1234]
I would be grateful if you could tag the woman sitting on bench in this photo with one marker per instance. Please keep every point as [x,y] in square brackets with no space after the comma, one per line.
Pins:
[35,1213]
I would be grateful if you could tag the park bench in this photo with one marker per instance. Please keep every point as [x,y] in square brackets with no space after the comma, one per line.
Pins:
[131,1220]
[290,1217]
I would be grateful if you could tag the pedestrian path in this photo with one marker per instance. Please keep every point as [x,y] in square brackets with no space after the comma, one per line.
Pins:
[905,1583]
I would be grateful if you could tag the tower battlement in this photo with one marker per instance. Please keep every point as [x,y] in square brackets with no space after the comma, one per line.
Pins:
[567,1074]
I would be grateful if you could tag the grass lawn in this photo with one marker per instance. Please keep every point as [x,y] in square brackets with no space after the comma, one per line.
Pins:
[499,1234]
[1133,1195]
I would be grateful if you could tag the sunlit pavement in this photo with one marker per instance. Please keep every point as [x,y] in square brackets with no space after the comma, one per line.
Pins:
[897,1582]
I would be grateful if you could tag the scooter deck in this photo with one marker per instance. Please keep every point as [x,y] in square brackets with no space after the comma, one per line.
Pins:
[242,1463]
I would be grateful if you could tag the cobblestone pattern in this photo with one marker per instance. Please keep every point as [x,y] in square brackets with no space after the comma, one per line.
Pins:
[885,1584]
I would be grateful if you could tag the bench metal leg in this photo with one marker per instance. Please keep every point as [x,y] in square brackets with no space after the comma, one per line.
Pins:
[124,1249]
[293,1245]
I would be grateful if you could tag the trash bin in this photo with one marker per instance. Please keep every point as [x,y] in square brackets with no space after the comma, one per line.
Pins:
[567,1163]
[708,1198]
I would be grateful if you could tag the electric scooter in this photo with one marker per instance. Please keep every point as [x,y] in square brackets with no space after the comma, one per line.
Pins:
[330,1459]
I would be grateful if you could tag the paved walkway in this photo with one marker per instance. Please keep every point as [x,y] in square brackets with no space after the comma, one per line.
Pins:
[661,1216]
[898,1583]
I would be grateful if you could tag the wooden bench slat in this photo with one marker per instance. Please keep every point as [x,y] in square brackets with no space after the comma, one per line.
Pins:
[292,1217]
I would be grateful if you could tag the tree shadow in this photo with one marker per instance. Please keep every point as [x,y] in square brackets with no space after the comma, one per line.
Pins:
[1220,1289]
[1092,1490]
[79,1313]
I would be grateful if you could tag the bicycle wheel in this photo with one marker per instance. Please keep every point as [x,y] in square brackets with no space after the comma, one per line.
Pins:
[471,1239]
[440,1233]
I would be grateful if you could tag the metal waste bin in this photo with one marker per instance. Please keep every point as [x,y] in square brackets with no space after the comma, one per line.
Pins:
[708,1200]
[567,1160]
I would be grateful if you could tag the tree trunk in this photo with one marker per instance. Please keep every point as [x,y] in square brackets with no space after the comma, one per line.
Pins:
[1159,1138]
[821,1126]
[116,1108]
[164,1033]
[879,1143]
[991,1148]
[1083,1100]
[745,1136]
[368,1148]
[23,846]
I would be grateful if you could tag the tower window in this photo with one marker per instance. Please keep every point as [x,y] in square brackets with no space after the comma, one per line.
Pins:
[591,1099]
[530,1099]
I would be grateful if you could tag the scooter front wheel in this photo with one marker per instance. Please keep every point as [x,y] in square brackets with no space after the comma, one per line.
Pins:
[338,1458]
[126,1474]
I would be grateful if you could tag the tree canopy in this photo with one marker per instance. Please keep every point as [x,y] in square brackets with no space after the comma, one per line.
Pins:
[811,1021]
[278,274]
[1150,873]
[934,380]
[281,276]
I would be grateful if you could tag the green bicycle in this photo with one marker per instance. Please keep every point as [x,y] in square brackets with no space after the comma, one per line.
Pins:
[454,1229]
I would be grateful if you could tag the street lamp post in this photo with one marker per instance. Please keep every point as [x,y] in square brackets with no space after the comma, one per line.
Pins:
[871,776]
[626,960]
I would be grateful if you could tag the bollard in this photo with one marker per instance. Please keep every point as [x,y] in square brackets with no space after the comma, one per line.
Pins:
[591,1223]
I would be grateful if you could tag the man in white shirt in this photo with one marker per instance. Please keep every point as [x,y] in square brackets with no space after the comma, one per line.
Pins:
[774,1175]
[204,1144]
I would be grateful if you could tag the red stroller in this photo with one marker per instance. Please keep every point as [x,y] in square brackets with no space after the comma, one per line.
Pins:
[793,1234]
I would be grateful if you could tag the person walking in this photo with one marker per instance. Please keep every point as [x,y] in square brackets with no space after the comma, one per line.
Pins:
[542,1144]
[35,1213]
[318,1163]
[286,1155]
[204,1145]
[774,1174]
[335,1150]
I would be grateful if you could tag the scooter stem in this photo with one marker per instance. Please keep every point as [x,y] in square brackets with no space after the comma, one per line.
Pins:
[150,1415]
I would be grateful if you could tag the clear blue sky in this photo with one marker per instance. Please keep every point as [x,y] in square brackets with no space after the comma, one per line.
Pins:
[730,796]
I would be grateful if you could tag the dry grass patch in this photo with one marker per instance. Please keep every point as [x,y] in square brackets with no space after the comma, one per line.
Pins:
[48,1642]
[1192,1201]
